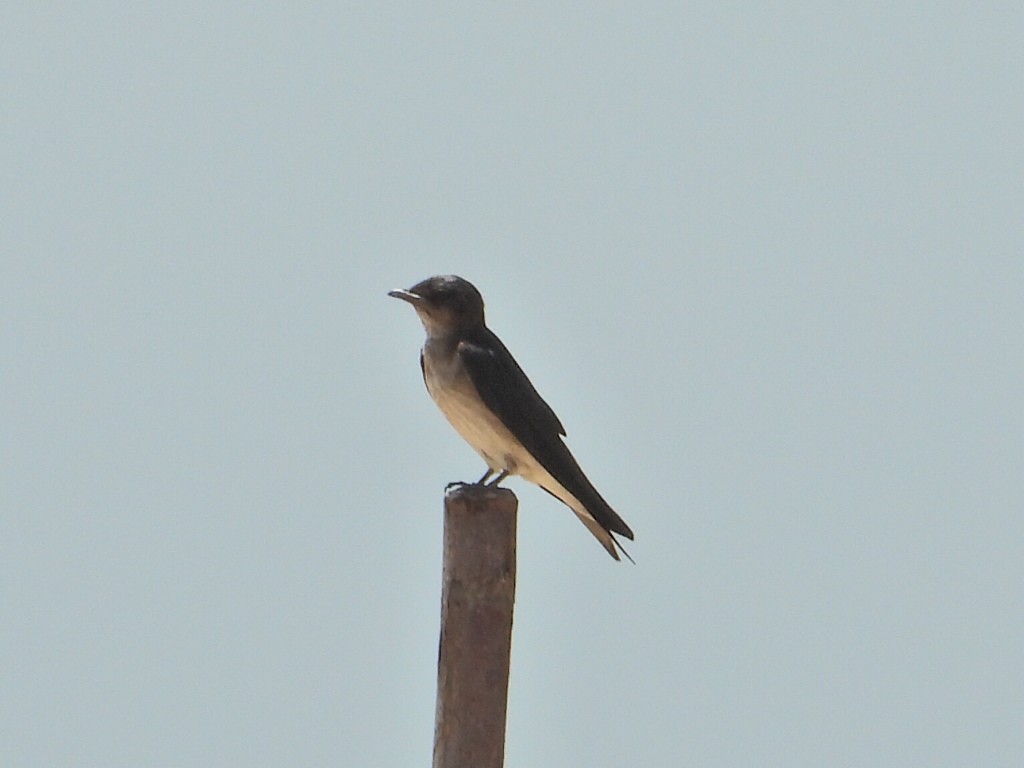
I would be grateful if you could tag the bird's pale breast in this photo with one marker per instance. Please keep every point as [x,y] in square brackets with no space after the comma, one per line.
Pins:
[458,400]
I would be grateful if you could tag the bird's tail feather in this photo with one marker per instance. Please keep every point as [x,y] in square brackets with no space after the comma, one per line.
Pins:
[599,531]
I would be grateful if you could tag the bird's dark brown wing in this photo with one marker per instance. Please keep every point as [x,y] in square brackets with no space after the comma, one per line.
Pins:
[505,388]
[507,391]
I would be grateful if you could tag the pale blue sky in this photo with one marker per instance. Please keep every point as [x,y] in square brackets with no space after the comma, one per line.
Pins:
[764,261]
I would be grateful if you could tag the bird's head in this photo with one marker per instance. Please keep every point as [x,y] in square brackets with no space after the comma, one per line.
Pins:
[445,303]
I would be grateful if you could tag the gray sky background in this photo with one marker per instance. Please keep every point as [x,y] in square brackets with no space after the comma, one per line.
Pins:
[765,261]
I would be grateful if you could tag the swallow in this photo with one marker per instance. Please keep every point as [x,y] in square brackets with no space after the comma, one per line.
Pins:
[491,403]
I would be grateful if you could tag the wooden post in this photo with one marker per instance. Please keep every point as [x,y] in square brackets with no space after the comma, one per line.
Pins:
[477,594]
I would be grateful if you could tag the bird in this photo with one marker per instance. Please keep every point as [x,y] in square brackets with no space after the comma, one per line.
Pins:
[484,394]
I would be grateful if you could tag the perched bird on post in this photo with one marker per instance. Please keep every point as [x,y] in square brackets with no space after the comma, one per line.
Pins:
[485,395]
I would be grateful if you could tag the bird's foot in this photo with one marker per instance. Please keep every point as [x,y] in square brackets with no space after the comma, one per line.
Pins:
[494,483]
[481,483]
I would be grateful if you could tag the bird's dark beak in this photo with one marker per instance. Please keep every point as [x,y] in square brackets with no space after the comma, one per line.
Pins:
[413,298]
